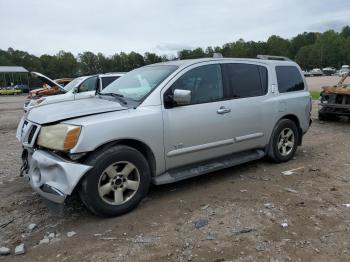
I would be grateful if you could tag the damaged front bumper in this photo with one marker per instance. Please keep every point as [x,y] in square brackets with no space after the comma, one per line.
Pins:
[53,177]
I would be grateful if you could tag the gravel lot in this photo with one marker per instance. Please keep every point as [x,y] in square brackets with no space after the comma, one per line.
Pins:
[241,210]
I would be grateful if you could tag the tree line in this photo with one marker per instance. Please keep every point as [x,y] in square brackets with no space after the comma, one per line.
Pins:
[309,50]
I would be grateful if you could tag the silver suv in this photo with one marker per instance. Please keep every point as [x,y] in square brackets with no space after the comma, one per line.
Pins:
[161,124]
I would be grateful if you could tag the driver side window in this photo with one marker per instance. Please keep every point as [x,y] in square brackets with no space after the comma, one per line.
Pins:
[204,82]
[89,84]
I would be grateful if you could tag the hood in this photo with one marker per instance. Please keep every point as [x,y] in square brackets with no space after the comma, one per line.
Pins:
[71,109]
[47,80]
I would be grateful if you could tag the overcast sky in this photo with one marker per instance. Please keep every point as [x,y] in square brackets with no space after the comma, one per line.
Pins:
[161,26]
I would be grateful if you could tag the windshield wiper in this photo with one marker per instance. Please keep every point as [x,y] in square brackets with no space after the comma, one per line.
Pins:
[117,96]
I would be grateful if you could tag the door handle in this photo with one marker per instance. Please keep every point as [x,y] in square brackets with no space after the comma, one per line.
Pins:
[223,110]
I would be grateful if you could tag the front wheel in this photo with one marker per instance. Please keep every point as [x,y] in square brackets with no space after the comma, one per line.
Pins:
[284,141]
[118,181]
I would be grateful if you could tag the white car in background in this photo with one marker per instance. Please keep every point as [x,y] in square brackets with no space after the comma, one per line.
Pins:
[80,88]
[344,70]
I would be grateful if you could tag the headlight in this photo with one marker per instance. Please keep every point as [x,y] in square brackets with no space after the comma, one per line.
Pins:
[59,137]
[36,102]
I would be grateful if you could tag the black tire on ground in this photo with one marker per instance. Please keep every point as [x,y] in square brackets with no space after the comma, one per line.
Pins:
[275,153]
[90,185]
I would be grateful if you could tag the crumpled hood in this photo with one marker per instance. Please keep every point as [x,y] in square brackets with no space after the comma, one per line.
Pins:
[71,109]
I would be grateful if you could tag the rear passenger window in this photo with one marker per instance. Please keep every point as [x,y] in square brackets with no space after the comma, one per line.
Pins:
[289,79]
[245,80]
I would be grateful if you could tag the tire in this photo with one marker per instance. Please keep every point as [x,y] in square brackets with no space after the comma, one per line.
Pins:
[282,132]
[119,180]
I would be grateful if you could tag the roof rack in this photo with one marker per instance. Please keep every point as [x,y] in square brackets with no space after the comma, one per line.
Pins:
[273,57]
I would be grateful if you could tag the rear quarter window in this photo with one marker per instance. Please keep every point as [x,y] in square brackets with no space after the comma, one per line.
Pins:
[289,79]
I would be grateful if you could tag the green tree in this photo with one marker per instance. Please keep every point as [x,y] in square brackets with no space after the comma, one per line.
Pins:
[300,41]
[345,32]
[278,46]
[89,63]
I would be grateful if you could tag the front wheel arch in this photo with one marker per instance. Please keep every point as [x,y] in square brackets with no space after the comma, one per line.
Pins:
[143,148]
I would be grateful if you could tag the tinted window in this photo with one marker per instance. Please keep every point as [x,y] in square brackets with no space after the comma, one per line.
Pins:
[289,79]
[89,84]
[245,80]
[107,80]
[204,82]
[263,78]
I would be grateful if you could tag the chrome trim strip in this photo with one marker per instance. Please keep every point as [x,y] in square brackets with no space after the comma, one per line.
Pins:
[192,149]
[248,137]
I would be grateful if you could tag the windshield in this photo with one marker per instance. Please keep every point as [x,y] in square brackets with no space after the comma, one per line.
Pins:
[138,83]
[75,82]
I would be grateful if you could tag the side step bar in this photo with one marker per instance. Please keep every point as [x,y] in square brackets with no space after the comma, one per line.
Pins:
[207,167]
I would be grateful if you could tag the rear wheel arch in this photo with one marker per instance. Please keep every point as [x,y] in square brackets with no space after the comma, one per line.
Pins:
[296,121]
[272,151]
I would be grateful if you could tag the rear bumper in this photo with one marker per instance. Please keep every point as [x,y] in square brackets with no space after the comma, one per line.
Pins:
[53,177]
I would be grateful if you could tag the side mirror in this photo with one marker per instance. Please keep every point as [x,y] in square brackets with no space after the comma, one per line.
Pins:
[75,90]
[182,97]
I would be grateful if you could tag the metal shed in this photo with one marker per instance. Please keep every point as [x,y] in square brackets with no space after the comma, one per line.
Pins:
[13,75]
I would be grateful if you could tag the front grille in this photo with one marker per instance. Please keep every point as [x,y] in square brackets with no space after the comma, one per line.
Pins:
[29,133]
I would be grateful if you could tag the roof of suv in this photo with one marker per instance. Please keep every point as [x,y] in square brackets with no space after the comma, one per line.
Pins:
[188,62]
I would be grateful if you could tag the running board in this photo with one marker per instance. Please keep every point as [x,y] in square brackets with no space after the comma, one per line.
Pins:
[207,167]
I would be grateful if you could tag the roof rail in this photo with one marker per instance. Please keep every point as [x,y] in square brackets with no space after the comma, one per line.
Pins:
[273,57]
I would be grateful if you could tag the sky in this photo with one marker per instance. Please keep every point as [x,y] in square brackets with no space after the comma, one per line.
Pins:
[160,26]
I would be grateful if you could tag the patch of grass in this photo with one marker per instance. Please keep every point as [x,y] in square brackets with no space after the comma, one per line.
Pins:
[315,95]
[10,92]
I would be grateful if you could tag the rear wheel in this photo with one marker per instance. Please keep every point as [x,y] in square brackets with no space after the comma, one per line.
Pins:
[118,181]
[284,141]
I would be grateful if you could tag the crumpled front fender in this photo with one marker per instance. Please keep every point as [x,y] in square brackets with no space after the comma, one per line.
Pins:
[54,177]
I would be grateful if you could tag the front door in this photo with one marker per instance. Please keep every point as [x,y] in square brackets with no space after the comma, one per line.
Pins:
[201,130]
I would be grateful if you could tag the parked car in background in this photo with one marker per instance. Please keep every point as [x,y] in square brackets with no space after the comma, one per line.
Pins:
[79,88]
[316,72]
[163,123]
[23,87]
[50,87]
[343,70]
[328,71]
[306,73]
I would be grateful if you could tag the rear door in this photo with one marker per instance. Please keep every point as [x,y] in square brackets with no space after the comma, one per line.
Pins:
[248,86]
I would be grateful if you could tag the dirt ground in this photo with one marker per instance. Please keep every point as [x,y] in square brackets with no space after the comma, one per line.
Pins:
[241,209]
